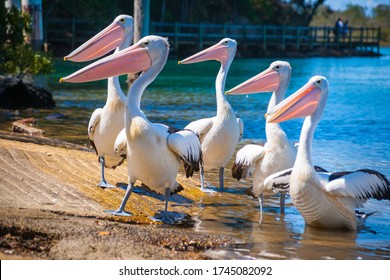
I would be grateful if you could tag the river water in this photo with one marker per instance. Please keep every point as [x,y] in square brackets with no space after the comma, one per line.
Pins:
[354,133]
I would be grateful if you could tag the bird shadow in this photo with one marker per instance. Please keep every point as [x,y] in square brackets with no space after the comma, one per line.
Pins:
[144,190]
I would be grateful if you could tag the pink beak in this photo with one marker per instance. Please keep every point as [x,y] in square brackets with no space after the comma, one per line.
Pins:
[131,60]
[266,81]
[302,103]
[102,43]
[217,52]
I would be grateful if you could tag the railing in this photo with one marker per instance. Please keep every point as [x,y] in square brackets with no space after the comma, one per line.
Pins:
[68,34]
[284,38]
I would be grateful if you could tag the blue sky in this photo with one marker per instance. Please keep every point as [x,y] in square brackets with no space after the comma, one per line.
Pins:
[342,4]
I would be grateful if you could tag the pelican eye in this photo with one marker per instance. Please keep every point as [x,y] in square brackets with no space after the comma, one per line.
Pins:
[122,20]
[319,82]
[277,67]
[226,42]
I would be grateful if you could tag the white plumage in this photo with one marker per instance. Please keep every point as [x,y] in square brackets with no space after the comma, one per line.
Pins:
[219,135]
[106,123]
[153,150]
[325,200]
[278,152]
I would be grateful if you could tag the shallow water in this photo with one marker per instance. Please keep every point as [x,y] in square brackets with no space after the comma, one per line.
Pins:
[354,133]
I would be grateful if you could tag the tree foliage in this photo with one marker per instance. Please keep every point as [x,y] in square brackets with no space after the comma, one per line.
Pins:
[16,56]
[271,12]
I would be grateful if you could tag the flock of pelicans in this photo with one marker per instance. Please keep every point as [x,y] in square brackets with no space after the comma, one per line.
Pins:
[154,151]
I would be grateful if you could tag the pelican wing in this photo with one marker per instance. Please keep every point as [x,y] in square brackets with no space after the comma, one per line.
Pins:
[246,159]
[120,146]
[186,145]
[279,182]
[200,127]
[361,184]
[93,122]
[241,126]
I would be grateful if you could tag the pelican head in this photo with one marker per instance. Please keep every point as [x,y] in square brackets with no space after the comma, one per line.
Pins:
[118,33]
[267,81]
[223,52]
[308,100]
[140,57]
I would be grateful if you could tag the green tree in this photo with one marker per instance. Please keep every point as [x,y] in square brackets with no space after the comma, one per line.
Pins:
[381,15]
[16,56]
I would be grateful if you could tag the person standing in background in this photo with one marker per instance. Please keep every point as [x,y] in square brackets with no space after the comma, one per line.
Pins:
[338,29]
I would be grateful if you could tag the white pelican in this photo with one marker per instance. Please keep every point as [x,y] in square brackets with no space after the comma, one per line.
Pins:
[325,201]
[219,135]
[106,123]
[278,152]
[154,150]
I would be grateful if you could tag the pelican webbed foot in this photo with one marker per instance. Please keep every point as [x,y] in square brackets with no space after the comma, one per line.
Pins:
[118,212]
[104,185]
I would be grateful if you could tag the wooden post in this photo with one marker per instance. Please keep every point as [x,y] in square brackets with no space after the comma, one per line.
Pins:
[244,38]
[378,40]
[312,38]
[200,36]
[141,19]
[34,9]
[350,37]
[73,39]
[361,36]
[176,33]
[326,36]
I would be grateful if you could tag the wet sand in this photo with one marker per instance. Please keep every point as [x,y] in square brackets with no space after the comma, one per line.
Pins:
[50,208]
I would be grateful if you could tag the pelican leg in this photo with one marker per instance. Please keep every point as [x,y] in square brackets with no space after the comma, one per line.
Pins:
[164,217]
[282,201]
[202,184]
[121,210]
[221,186]
[167,196]
[261,208]
[103,183]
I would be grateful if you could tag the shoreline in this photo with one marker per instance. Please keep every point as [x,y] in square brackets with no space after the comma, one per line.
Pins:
[51,209]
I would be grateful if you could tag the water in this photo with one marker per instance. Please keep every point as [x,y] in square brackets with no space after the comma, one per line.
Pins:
[354,133]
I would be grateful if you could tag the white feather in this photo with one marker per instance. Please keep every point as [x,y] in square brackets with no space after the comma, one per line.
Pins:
[358,185]
[121,143]
[200,127]
[241,126]
[93,122]
[186,145]
[248,156]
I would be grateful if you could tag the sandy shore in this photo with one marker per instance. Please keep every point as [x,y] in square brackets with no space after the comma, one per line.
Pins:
[51,208]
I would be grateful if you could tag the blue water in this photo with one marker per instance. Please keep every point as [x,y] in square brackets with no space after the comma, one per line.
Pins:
[354,133]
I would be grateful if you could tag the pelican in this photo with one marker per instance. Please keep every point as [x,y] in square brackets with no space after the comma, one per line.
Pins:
[154,150]
[106,123]
[325,201]
[278,152]
[219,135]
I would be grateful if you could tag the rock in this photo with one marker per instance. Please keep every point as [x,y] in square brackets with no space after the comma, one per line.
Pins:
[56,116]
[16,94]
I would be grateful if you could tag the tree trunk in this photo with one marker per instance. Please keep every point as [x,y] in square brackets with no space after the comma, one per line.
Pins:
[34,9]
[141,18]
[141,27]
